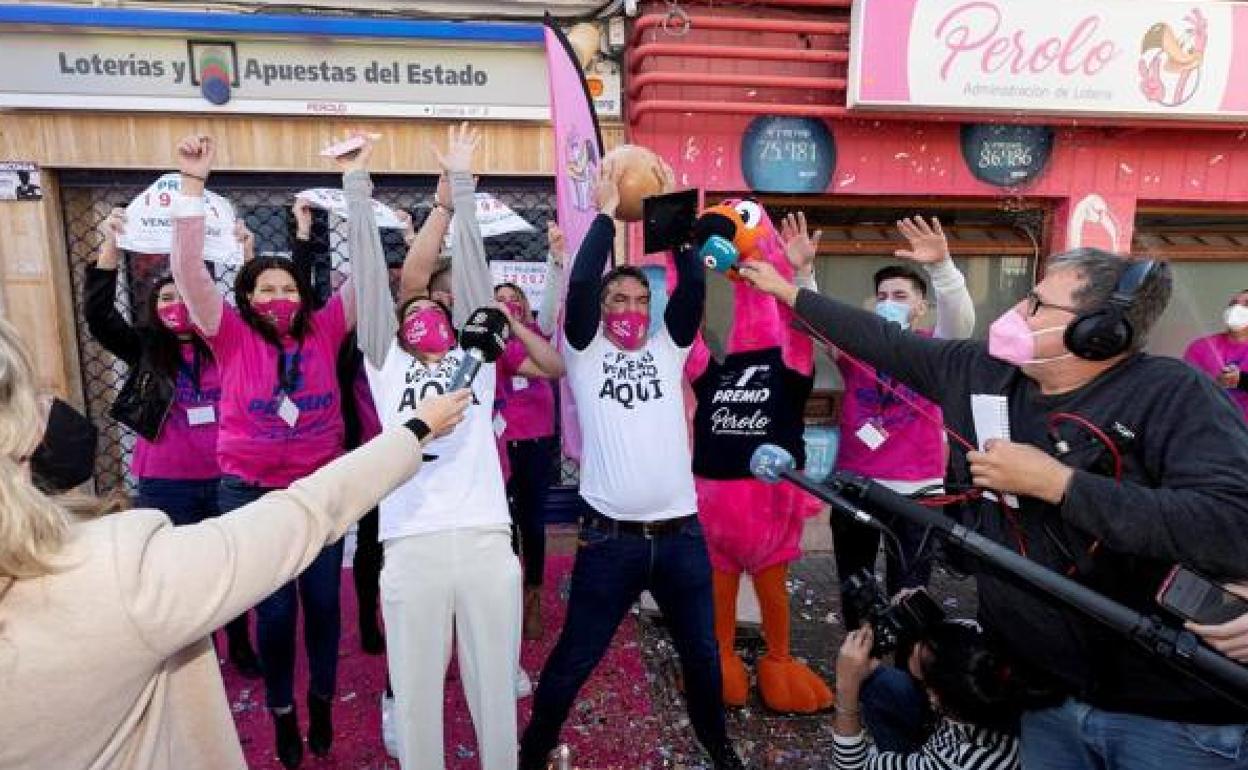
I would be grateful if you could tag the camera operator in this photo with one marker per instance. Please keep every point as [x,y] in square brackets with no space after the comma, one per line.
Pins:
[1066,363]
[950,669]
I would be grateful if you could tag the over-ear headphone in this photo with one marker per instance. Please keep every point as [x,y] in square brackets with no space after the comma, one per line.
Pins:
[1103,333]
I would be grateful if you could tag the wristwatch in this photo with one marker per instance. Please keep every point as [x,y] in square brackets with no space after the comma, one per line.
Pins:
[418,428]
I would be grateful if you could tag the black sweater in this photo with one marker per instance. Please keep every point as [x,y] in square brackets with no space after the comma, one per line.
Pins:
[584,309]
[1183,498]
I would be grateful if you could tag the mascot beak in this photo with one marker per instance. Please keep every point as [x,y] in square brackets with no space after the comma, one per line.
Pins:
[723,221]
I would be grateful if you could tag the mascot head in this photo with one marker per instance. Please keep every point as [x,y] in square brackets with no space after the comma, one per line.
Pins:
[736,231]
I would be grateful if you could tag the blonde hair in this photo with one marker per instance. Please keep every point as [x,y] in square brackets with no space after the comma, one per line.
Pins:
[33,526]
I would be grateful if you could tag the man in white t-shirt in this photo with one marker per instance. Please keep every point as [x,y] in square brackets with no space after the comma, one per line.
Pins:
[641,531]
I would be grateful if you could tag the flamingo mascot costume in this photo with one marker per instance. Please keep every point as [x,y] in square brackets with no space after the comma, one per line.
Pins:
[757,394]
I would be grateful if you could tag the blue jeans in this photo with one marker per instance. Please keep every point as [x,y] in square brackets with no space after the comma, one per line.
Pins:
[895,710]
[184,501]
[1076,736]
[610,572]
[318,587]
[190,502]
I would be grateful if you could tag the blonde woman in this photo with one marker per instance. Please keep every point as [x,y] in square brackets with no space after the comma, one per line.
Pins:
[105,660]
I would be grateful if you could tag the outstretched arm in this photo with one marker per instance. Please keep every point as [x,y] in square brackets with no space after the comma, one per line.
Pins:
[371,284]
[548,313]
[955,312]
[683,315]
[471,283]
[186,260]
[424,248]
[100,306]
[584,305]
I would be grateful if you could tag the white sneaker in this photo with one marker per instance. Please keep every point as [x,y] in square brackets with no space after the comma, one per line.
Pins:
[389,738]
[524,685]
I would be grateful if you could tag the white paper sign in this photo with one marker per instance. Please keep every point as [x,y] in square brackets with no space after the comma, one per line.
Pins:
[494,218]
[529,276]
[149,223]
[332,199]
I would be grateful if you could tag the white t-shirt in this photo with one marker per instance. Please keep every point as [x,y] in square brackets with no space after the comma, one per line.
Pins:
[635,460]
[463,487]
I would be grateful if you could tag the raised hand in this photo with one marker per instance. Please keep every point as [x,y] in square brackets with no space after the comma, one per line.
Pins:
[461,145]
[196,154]
[607,188]
[357,160]
[927,241]
[799,245]
[558,243]
[762,275]
[111,229]
[303,218]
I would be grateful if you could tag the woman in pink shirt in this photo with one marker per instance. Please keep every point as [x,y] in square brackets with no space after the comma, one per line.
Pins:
[526,409]
[280,420]
[1224,355]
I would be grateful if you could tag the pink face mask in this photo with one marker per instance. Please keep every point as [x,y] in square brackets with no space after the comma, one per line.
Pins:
[280,312]
[1011,340]
[176,318]
[626,328]
[427,331]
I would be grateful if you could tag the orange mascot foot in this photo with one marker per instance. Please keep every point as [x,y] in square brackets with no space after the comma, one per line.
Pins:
[785,684]
[736,678]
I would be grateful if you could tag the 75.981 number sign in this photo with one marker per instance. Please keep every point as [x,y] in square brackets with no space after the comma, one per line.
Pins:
[787,155]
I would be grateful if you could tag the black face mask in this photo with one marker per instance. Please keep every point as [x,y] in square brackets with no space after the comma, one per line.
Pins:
[66,456]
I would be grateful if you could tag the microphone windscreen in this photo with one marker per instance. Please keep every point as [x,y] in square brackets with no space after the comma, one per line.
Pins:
[486,330]
[769,462]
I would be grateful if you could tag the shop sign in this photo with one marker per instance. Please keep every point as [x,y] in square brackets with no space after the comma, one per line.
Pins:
[291,77]
[1006,155]
[1139,58]
[787,155]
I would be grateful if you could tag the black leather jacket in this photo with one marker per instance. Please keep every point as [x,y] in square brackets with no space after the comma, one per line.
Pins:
[147,393]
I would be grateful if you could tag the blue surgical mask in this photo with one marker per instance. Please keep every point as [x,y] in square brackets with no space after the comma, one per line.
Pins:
[892,310]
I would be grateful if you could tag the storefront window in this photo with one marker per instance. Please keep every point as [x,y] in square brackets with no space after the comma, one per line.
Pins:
[1201,291]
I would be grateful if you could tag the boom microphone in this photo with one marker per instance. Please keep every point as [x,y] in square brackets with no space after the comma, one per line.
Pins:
[483,340]
[771,463]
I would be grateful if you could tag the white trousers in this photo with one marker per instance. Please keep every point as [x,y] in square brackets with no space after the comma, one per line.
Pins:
[464,585]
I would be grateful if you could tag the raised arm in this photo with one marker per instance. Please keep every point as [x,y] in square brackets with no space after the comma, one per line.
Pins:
[371,285]
[186,259]
[100,306]
[955,312]
[182,582]
[683,315]
[471,283]
[311,256]
[801,247]
[540,357]
[920,362]
[583,313]
[548,313]
[423,248]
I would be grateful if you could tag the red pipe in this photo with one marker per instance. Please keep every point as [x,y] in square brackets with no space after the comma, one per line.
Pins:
[736,23]
[640,108]
[734,52]
[728,79]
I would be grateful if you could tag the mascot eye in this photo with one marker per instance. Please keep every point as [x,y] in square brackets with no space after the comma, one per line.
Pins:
[751,213]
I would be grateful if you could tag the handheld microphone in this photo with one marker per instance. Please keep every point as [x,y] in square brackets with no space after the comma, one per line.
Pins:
[483,340]
[771,463]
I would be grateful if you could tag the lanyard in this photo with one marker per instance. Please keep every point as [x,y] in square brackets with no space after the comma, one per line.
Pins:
[288,369]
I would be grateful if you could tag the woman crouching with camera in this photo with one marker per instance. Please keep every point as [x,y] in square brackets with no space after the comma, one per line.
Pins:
[951,670]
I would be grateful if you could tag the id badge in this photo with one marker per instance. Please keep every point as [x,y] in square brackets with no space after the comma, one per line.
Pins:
[201,415]
[288,411]
[872,435]
[500,425]
[519,383]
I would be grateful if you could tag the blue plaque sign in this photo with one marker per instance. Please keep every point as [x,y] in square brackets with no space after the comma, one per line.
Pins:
[787,155]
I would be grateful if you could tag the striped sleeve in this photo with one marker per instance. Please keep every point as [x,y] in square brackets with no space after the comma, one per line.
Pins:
[945,750]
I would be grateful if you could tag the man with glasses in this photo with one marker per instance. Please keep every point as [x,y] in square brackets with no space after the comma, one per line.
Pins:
[889,433]
[1067,362]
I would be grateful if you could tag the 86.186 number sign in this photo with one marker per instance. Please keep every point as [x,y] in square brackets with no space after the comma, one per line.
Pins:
[787,155]
[1005,155]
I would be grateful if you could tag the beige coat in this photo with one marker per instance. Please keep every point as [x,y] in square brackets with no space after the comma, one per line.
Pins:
[107,664]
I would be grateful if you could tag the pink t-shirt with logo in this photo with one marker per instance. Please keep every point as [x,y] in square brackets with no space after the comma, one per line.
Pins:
[1210,354]
[186,448]
[913,447]
[256,443]
[527,404]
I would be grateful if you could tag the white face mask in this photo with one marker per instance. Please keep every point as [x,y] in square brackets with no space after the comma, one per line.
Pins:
[1236,317]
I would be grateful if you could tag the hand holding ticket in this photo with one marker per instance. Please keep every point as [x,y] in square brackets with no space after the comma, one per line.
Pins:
[348,145]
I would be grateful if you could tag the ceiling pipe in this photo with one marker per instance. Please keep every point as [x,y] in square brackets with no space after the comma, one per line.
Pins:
[638,82]
[739,24]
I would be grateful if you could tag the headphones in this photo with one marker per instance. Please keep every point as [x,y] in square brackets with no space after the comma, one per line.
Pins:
[1103,333]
